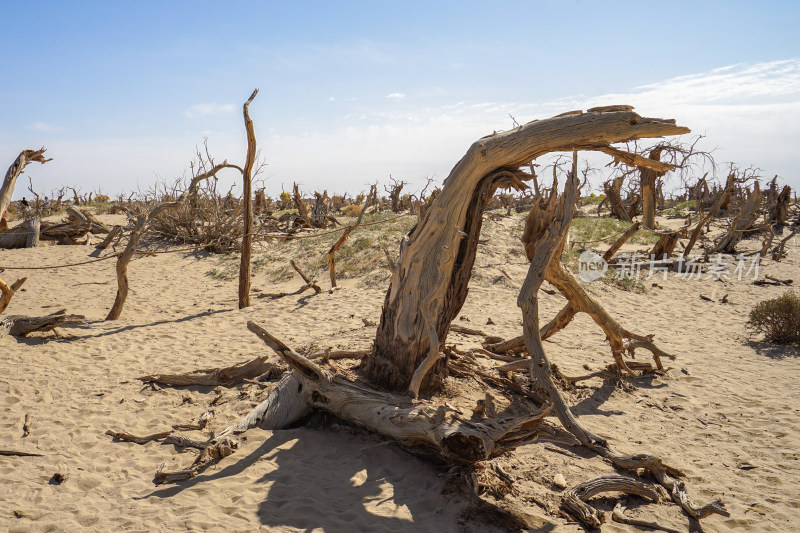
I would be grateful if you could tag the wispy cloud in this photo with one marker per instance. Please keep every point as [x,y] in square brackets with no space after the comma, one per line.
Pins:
[396,95]
[751,111]
[43,126]
[200,110]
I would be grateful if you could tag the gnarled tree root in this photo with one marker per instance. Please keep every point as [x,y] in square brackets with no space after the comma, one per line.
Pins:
[574,499]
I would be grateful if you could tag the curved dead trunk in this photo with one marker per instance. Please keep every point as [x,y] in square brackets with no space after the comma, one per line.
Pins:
[429,285]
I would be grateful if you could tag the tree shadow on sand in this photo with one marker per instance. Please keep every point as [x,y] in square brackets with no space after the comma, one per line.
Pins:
[343,482]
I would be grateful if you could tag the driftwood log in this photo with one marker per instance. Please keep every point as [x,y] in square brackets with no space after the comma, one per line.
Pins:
[22,326]
[227,376]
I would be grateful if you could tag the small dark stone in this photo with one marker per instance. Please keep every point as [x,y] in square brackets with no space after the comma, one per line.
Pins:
[58,479]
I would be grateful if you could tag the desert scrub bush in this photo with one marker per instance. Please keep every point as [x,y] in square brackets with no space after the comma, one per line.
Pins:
[778,319]
[592,199]
[587,229]
[361,254]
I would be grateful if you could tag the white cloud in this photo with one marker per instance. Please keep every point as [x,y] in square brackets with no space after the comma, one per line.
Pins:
[331,98]
[396,95]
[200,110]
[43,126]
[751,111]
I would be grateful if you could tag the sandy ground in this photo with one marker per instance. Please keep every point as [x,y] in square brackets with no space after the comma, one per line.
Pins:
[727,412]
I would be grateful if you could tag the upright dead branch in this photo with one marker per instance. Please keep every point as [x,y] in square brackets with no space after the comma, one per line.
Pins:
[247,236]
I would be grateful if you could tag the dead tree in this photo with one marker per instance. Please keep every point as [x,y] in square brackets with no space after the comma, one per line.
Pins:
[431,277]
[136,234]
[247,233]
[613,192]
[648,179]
[743,222]
[394,194]
[429,284]
[779,207]
[14,171]
[723,198]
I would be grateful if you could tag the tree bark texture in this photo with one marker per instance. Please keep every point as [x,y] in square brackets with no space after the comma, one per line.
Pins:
[429,285]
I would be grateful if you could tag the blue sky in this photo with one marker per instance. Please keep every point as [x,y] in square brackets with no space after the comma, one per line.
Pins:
[351,92]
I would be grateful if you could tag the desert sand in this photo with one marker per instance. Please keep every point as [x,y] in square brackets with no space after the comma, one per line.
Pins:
[727,411]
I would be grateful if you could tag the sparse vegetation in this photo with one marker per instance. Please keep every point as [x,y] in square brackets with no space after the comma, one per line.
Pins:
[777,319]
[587,229]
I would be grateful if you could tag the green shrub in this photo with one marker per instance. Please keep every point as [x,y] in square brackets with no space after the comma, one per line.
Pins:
[778,319]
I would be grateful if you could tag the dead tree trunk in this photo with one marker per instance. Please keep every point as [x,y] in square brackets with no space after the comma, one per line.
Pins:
[247,235]
[648,184]
[743,222]
[779,211]
[722,198]
[33,227]
[429,284]
[14,171]
[613,190]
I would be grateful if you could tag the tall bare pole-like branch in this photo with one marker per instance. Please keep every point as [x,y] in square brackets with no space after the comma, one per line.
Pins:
[247,237]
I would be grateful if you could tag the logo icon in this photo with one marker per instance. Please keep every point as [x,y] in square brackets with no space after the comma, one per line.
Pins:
[591,266]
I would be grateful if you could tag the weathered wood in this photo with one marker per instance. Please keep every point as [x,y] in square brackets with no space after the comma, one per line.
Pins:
[619,242]
[648,178]
[541,251]
[430,284]
[128,437]
[618,515]
[613,192]
[247,235]
[715,208]
[14,171]
[422,426]
[115,231]
[33,227]
[309,282]
[15,453]
[21,326]
[574,499]
[226,376]
[743,222]
[6,292]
